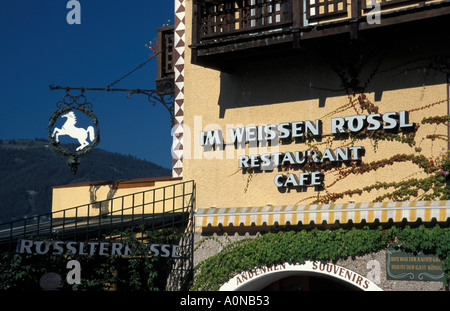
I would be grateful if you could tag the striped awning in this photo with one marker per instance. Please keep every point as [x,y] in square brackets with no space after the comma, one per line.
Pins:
[269,215]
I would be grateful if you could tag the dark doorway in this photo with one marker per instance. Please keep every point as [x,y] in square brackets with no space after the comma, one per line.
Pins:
[308,283]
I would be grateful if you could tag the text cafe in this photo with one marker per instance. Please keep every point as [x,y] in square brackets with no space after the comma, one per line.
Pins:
[303,130]
[311,157]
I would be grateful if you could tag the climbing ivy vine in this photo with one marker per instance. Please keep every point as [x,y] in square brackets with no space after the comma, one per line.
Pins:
[432,185]
[430,181]
[331,245]
[318,244]
[98,273]
[435,186]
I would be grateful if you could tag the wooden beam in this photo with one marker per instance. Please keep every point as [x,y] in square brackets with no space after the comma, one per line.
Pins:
[393,18]
[354,17]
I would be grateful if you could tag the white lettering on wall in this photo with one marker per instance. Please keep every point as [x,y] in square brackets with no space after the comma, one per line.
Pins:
[273,133]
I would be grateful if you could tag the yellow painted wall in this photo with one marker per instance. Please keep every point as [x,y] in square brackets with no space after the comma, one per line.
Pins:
[298,88]
[146,195]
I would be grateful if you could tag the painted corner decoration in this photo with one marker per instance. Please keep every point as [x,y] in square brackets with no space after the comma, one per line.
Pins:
[84,139]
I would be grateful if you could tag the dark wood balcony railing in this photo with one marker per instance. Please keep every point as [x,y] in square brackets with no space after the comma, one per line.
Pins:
[316,9]
[165,65]
[386,3]
[165,50]
[225,27]
[236,16]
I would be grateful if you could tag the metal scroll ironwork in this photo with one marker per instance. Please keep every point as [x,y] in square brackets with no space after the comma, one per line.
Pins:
[163,94]
[67,106]
[157,96]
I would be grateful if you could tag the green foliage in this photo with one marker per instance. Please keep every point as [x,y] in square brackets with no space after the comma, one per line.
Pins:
[435,186]
[317,244]
[138,272]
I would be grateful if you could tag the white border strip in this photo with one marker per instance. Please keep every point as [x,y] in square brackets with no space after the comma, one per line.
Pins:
[261,277]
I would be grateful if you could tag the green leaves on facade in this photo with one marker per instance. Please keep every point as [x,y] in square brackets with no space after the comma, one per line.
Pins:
[318,244]
[98,273]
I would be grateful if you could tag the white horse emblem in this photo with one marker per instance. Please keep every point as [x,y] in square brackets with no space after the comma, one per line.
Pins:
[70,129]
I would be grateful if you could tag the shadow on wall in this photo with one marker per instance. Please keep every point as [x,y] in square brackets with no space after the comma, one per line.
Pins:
[335,68]
[102,204]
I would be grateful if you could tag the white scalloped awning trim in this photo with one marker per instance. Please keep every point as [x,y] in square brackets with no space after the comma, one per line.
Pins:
[269,215]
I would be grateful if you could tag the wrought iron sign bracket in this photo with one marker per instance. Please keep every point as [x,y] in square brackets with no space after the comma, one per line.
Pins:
[163,96]
[71,103]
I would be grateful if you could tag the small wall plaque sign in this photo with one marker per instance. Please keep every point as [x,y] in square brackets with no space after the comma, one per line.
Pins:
[401,265]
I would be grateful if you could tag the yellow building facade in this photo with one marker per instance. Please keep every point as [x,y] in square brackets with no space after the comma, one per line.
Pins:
[301,89]
[295,116]
[292,121]
[113,197]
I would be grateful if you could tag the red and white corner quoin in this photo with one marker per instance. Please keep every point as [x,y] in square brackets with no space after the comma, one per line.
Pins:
[177,130]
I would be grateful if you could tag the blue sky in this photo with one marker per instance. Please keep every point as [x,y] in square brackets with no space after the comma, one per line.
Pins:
[38,48]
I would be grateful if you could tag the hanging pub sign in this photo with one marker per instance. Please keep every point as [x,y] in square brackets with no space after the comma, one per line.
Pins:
[84,138]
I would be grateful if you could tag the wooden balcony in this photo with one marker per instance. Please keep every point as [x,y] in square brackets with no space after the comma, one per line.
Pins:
[165,65]
[227,31]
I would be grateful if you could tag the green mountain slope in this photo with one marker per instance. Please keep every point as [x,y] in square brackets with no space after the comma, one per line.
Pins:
[28,170]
